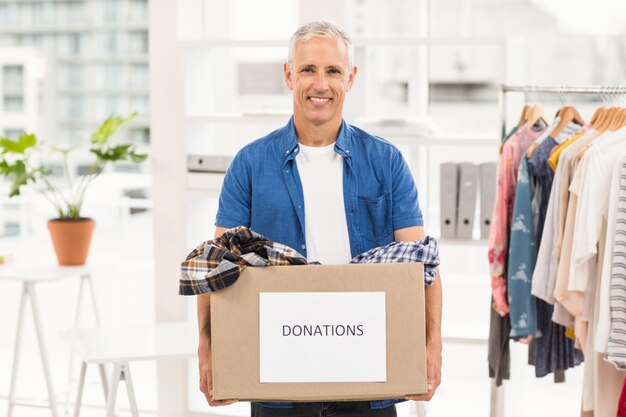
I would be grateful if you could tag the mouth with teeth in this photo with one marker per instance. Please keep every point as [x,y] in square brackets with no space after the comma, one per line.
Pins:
[320,100]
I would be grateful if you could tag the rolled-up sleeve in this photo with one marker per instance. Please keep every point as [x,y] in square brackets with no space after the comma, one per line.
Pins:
[235,196]
[406,208]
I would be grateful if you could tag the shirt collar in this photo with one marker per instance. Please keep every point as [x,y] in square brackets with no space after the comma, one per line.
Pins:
[289,143]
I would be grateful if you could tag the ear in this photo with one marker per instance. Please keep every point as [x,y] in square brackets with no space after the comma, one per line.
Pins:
[351,77]
[288,75]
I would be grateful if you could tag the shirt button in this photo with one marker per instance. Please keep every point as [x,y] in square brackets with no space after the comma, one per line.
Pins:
[295,150]
[303,246]
[347,151]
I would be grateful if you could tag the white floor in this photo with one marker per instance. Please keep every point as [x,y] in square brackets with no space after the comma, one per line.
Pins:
[125,295]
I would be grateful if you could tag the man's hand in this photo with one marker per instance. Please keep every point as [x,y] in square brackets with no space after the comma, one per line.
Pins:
[432,298]
[433,371]
[206,377]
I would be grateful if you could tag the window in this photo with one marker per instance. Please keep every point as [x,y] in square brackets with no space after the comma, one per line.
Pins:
[74,43]
[140,136]
[139,76]
[112,76]
[13,103]
[74,105]
[140,104]
[139,42]
[13,133]
[138,11]
[72,76]
[108,43]
[13,77]
[110,11]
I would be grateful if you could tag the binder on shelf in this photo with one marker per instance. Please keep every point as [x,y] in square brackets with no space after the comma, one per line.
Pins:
[468,192]
[449,185]
[488,177]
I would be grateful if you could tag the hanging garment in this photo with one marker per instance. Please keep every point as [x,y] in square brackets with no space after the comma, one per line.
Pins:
[599,380]
[503,212]
[566,178]
[621,408]
[556,282]
[500,325]
[595,177]
[616,346]
[553,160]
[546,271]
[522,255]
[554,351]
[591,223]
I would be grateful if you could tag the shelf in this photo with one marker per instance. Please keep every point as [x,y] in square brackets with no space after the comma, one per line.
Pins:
[234,117]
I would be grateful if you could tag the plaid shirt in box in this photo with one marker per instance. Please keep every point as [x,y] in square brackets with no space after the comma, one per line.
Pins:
[424,250]
[217,264]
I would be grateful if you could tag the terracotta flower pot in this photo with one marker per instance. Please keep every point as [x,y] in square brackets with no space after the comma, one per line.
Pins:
[71,239]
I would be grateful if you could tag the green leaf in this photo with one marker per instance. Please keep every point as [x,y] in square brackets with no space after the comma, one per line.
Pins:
[109,127]
[18,146]
[20,177]
[112,154]
[138,157]
[5,168]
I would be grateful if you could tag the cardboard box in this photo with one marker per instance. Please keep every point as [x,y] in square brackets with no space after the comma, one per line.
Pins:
[236,338]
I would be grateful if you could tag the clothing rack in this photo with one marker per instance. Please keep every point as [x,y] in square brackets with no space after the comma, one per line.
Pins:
[600,90]
[497,393]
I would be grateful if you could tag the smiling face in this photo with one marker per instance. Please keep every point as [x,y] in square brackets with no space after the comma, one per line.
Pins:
[319,77]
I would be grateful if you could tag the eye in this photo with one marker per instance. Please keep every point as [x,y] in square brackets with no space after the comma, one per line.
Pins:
[307,69]
[334,71]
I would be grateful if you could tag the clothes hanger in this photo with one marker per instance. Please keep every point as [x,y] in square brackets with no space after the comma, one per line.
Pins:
[620,119]
[606,122]
[616,120]
[568,114]
[612,116]
[535,114]
[596,115]
[609,123]
[524,114]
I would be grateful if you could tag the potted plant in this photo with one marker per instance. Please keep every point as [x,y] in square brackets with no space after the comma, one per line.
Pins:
[71,233]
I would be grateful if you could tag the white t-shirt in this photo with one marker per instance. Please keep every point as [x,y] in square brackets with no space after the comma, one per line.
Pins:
[326,229]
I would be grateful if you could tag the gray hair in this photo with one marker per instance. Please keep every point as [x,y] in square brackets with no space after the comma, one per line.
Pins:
[322,28]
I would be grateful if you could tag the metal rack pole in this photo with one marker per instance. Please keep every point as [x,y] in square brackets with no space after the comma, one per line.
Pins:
[553,89]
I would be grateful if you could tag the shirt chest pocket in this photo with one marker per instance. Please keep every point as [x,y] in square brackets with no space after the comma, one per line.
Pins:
[374,216]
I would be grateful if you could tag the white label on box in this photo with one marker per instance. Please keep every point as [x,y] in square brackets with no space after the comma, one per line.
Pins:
[322,337]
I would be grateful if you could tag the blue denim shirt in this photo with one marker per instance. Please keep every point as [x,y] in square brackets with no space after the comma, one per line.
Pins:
[262,190]
[522,258]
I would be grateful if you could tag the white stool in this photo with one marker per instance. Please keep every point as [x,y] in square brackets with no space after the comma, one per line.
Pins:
[31,275]
[121,345]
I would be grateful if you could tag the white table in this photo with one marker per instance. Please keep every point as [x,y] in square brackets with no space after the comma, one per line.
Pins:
[30,275]
[121,345]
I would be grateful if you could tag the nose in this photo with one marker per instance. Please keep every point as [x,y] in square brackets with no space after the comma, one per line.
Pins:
[321,81]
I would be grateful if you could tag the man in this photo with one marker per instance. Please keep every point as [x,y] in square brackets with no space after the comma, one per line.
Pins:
[328,190]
